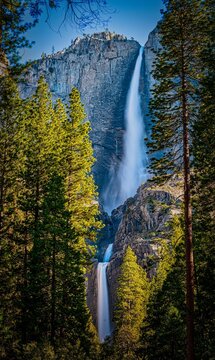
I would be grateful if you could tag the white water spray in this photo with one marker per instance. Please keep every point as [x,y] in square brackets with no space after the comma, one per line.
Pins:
[132,170]
[104,325]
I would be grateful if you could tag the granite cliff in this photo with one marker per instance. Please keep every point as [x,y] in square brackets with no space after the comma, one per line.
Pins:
[150,49]
[100,66]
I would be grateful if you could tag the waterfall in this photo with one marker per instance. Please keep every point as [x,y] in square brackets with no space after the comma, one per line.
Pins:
[132,169]
[104,324]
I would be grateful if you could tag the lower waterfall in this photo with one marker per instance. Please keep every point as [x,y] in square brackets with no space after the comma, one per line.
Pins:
[104,323]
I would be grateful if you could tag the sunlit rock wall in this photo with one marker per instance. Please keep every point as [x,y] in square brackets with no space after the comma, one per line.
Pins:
[100,66]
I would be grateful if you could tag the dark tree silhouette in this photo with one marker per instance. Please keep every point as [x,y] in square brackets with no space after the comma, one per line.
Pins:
[13,24]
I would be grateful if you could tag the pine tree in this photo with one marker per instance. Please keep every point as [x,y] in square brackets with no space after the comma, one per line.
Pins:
[81,191]
[12,31]
[11,264]
[132,298]
[56,251]
[34,179]
[173,109]
[10,108]
[48,222]
[82,205]
[69,324]
[54,219]
[204,193]
[163,330]
[163,334]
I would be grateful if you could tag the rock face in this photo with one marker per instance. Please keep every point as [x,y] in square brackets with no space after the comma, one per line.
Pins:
[145,219]
[101,67]
[150,49]
[92,291]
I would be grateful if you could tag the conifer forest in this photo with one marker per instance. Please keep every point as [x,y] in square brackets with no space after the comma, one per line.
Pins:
[107,182]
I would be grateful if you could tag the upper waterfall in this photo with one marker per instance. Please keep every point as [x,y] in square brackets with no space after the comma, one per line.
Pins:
[132,170]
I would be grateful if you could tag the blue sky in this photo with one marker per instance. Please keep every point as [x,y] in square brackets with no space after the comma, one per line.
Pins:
[133,18]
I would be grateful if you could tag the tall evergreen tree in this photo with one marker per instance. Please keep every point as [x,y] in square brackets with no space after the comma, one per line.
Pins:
[163,331]
[57,148]
[68,319]
[10,113]
[82,205]
[163,334]
[81,191]
[173,109]
[204,191]
[11,264]
[132,298]
[44,150]
[34,178]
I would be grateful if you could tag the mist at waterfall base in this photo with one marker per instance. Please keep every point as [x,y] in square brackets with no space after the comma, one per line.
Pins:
[104,325]
[132,171]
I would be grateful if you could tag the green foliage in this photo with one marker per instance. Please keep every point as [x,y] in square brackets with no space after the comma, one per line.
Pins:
[80,187]
[174,108]
[11,247]
[163,331]
[180,40]
[187,37]
[132,298]
[166,255]
[204,194]
[13,26]
[42,352]
[46,189]
[49,208]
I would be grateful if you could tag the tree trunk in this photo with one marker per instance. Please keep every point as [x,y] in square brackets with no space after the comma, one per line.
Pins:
[188,222]
[53,292]
[1,20]
[37,198]
[24,294]
[2,189]
[3,58]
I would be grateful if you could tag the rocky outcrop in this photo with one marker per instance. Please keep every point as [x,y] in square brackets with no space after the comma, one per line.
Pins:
[92,291]
[108,233]
[139,223]
[100,66]
[150,50]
